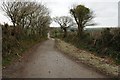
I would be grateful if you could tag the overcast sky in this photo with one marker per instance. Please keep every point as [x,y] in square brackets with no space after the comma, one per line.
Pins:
[106,11]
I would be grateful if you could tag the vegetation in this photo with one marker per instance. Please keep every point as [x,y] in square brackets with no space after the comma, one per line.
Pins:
[103,65]
[55,32]
[65,22]
[105,43]
[82,16]
[30,25]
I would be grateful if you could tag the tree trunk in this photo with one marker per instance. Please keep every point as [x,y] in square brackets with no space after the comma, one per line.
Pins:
[80,30]
[14,25]
[65,32]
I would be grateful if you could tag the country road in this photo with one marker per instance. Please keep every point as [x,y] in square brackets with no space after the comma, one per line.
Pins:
[48,62]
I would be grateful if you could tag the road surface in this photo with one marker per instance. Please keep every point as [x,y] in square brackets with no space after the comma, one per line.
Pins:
[48,62]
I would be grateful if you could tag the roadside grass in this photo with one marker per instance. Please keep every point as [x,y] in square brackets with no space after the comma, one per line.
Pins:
[18,51]
[89,58]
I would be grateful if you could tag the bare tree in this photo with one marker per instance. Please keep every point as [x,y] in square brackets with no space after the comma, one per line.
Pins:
[64,22]
[29,16]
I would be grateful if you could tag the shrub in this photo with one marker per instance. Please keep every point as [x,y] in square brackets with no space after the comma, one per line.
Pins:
[107,45]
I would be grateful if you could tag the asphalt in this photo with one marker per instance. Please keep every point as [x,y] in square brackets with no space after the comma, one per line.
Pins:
[48,62]
[45,61]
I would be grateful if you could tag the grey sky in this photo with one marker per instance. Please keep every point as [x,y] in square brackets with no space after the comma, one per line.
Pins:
[119,14]
[106,11]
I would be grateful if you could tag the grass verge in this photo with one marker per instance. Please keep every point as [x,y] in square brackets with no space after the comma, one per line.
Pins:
[17,51]
[86,57]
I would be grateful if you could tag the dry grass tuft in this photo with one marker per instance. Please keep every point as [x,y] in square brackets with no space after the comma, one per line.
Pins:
[88,58]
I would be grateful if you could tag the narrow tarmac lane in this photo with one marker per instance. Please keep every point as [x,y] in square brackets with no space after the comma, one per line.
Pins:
[47,62]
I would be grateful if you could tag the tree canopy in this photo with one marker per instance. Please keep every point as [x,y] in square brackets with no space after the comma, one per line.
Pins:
[64,22]
[29,16]
[83,17]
